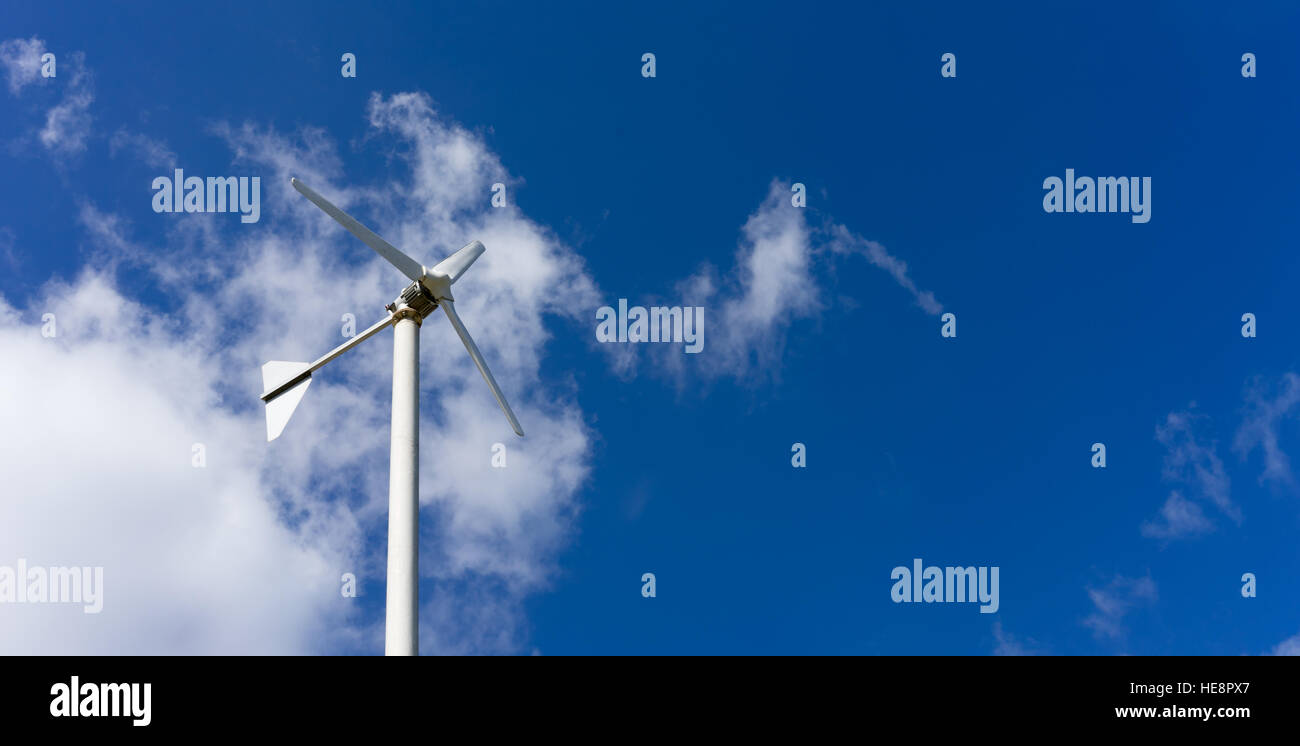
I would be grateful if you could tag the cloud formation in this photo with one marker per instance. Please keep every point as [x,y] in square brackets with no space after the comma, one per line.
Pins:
[1289,646]
[1194,463]
[770,286]
[1007,645]
[844,241]
[776,280]
[67,124]
[104,421]
[1264,414]
[1114,601]
[21,59]
[152,153]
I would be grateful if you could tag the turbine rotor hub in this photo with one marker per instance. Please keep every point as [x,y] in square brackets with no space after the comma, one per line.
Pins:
[415,301]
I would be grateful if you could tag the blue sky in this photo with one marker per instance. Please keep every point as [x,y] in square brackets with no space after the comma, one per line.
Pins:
[973,450]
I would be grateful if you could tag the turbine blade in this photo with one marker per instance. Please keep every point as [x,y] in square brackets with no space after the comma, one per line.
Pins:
[280,408]
[395,257]
[455,265]
[477,356]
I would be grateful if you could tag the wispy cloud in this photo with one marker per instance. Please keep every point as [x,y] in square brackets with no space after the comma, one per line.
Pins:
[1264,413]
[845,241]
[1009,645]
[1289,646]
[149,151]
[21,59]
[771,285]
[1114,601]
[1194,463]
[1179,517]
[775,281]
[66,125]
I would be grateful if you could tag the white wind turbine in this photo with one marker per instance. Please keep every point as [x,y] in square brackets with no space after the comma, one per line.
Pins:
[286,382]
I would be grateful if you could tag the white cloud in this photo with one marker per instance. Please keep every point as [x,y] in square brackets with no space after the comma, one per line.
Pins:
[1289,646]
[774,283]
[1195,463]
[97,458]
[1114,601]
[21,59]
[66,125]
[1007,645]
[152,153]
[771,285]
[845,241]
[1259,429]
[1179,517]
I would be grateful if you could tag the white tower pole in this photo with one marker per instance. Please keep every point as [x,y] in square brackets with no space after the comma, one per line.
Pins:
[401,626]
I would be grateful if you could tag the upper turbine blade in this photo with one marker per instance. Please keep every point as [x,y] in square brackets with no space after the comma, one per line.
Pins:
[450,308]
[395,257]
[455,265]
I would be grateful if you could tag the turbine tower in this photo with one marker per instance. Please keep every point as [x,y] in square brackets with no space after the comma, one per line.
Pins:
[286,382]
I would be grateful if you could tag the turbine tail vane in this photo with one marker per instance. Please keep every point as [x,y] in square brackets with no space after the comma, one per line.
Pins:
[285,385]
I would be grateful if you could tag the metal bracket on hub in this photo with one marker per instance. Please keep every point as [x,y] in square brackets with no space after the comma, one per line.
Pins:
[415,302]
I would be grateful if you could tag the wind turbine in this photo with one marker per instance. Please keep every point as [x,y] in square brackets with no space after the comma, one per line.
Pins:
[286,382]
